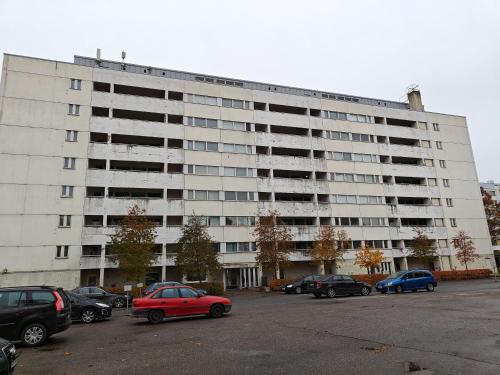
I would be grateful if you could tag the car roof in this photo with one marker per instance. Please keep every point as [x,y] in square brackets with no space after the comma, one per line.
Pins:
[29,287]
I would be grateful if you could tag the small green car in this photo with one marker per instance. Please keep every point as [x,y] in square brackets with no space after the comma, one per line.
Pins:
[8,357]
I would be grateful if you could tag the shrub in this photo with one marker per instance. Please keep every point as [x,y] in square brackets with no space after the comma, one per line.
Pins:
[276,284]
[212,288]
[371,278]
[482,273]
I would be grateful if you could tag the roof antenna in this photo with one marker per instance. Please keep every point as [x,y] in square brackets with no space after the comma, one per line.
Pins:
[124,55]
[98,54]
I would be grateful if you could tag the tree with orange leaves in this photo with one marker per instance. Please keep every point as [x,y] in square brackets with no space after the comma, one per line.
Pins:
[464,246]
[329,247]
[368,258]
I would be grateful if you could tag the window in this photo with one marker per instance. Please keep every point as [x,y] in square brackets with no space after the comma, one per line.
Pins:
[343,177]
[439,222]
[202,122]
[71,135]
[231,247]
[449,202]
[202,146]
[446,182]
[64,221]
[203,170]
[435,201]
[235,125]
[69,163]
[422,125]
[439,145]
[348,116]
[187,293]
[12,299]
[428,162]
[73,109]
[425,144]
[213,221]
[435,126]
[453,222]
[62,251]
[431,182]
[67,191]
[239,196]
[237,172]
[76,84]
[443,243]
[201,99]
[442,163]
[211,195]
[167,293]
[237,148]
[42,297]
[234,103]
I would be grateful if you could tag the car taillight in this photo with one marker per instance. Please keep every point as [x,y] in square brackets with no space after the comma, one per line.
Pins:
[59,302]
[317,284]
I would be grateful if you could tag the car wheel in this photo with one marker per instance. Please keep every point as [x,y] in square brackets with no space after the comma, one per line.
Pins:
[34,334]
[383,291]
[330,292]
[365,291]
[317,295]
[399,289]
[430,287]
[88,316]
[216,311]
[413,290]
[119,303]
[155,316]
[298,290]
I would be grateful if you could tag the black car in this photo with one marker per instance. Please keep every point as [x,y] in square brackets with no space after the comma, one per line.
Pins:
[31,314]
[304,284]
[334,285]
[87,310]
[112,299]
[8,357]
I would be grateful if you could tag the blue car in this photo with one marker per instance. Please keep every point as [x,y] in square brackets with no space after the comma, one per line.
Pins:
[407,280]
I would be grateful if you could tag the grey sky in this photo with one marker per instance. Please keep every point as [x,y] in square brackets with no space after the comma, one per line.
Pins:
[369,48]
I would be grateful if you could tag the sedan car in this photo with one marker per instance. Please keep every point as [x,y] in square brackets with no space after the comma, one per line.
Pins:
[112,299]
[304,284]
[334,285]
[8,357]
[86,309]
[407,280]
[182,300]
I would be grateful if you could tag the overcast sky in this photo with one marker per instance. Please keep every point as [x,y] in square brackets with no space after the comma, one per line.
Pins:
[368,48]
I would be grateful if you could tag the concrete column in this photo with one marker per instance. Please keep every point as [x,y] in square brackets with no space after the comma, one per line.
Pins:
[405,263]
[102,266]
[224,279]
[241,278]
[101,276]
[163,262]
[254,273]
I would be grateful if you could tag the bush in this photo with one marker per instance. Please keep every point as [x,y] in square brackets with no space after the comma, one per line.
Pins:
[276,284]
[371,279]
[212,288]
[483,273]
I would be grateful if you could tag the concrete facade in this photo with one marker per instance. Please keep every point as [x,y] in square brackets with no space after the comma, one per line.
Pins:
[177,143]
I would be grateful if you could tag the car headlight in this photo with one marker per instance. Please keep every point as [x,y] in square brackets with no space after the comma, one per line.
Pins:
[389,283]
[12,350]
[289,286]
[102,305]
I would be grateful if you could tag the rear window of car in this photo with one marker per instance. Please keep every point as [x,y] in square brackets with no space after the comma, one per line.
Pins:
[187,293]
[12,299]
[42,297]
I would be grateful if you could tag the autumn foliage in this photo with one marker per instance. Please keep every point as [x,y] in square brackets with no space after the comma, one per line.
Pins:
[492,211]
[329,247]
[464,248]
[368,258]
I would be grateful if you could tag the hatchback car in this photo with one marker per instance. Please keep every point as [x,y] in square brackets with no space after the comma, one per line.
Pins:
[304,284]
[407,280]
[94,292]
[182,300]
[31,314]
[160,284]
[87,310]
[8,357]
[334,285]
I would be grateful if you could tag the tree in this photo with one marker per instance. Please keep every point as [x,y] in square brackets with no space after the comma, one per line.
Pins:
[492,211]
[464,246]
[132,245]
[421,246]
[368,258]
[196,257]
[329,247]
[274,242]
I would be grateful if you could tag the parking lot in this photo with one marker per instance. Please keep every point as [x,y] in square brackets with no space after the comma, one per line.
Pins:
[455,330]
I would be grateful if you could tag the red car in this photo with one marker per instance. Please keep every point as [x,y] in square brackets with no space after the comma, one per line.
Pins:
[179,301]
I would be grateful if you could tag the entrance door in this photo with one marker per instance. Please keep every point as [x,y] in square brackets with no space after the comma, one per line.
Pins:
[232,278]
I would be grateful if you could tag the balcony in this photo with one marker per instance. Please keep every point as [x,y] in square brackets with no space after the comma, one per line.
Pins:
[408,232]
[406,151]
[410,190]
[283,140]
[292,185]
[416,211]
[300,256]
[98,177]
[407,170]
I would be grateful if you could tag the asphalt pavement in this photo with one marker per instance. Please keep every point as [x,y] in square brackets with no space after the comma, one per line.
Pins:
[455,330]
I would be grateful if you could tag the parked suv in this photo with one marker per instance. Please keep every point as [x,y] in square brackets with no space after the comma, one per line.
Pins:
[304,284]
[334,285]
[94,292]
[407,280]
[31,314]
[8,357]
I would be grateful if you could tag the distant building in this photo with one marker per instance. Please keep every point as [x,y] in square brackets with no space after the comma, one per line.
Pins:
[81,142]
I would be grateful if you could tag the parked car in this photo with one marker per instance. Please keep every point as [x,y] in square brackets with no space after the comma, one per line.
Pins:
[8,357]
[407,280]
[179,301]
[304,284]
[86,309]
[31,314]
[160,284]
[334,285]
[101,294]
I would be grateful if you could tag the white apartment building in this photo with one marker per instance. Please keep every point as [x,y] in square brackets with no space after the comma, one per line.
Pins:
[81,142]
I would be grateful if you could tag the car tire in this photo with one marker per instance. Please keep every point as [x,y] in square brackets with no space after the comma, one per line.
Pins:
[383,291]
[34,334]
[398,289]
[316,294]
[119,303]
[365,291]
[216,311]
[298,290]
[155,316]
[430,287]
[88,316]
[330,293]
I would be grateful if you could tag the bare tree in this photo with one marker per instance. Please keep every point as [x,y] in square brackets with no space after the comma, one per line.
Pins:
[274,242]
[329,247]
[464,246]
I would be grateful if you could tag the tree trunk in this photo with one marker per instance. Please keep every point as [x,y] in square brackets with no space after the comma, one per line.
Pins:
[277,271]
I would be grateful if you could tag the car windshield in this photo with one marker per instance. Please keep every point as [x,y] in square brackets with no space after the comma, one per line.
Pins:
[396,275]
[77,296]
